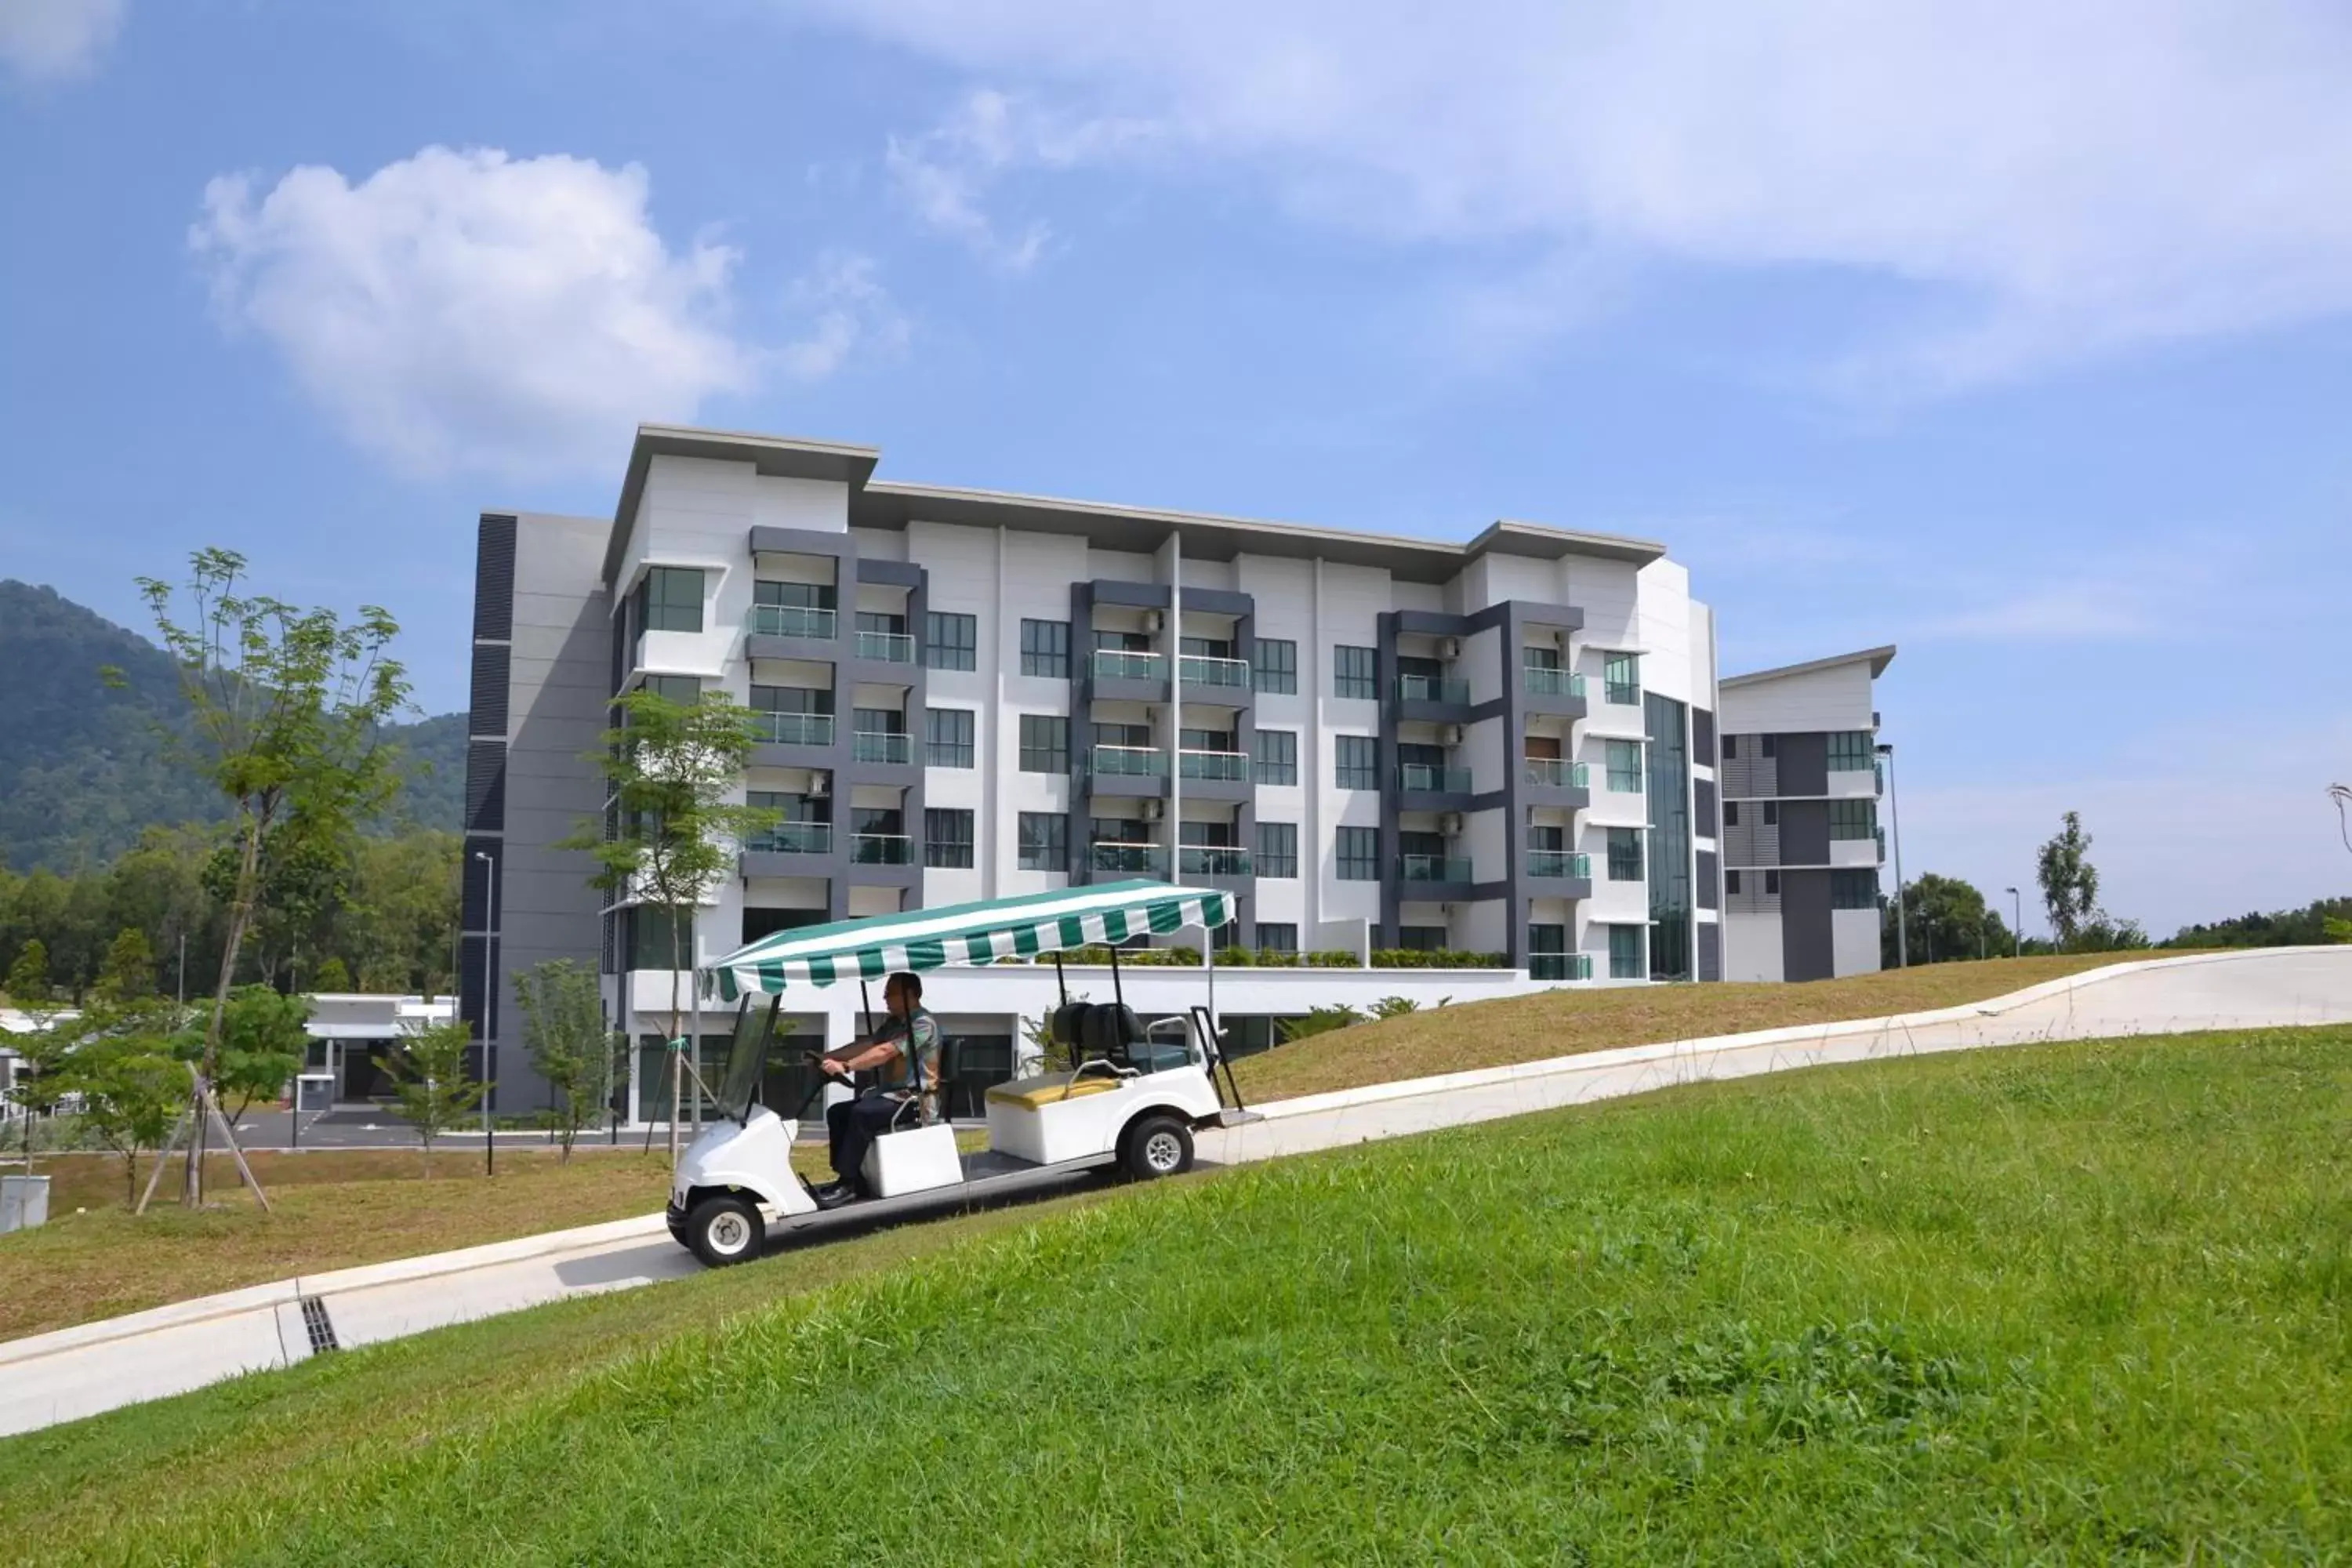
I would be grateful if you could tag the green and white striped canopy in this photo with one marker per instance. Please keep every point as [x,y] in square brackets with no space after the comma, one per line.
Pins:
[968,934]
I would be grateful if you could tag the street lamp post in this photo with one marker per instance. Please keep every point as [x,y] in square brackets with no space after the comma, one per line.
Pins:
[1895,810]
[489,935]
[2017,931]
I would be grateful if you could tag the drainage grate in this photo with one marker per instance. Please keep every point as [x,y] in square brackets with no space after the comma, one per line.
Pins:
[314,1320]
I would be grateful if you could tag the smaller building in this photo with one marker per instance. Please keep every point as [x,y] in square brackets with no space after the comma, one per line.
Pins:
[1801,840]
[351,1033]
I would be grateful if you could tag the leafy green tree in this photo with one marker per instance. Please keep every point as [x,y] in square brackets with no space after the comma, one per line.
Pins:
[287,709]
[1946,918]
[28,976]
[564,1030]
[428,1068]
[2070,884]
[331,975]
[131,1084]
[129,970]
[265,1038]
[670,770]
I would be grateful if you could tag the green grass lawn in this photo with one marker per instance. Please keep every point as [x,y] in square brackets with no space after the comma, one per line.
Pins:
[2078,1303]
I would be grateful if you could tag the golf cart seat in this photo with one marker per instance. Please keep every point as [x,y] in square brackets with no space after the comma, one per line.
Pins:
[919,1152]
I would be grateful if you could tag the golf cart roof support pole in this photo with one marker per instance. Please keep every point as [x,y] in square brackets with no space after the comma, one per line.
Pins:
[1061,981]
[1118,991]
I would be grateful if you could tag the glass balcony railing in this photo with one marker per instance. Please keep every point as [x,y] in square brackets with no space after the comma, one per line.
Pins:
[1213,860]
[878,848]
[889,648]
[1559,863]
[1554,774]
[1542,681]
[1422,778]
[791,621]
[794,838]
[1129,762]
[1118,664]
[1216,764]
[1560,966]
[1134,859]
[794,729]
[1434,867]
[883,746]
[1433,689]
[1199,669]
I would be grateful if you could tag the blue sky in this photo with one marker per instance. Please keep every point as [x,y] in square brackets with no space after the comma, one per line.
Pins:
[2020,341]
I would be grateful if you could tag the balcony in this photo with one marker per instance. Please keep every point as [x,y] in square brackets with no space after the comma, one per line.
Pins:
[1199,669]
[1434,867]
[1569,863]
[792,729]
[883,746]
[887,647]
[1560,966]
[1422,778]
[1118,664]
[1128,859]
[879,850]
[1128,762]
[1213,860]
[792,839]
[1231,766]
[1551,773]
[1433,689]
[791,621]
[1542,681]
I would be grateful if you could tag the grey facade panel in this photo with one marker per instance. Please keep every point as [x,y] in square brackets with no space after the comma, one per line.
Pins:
[1804,833]
[1806,953]
[1703,737]
[1804,763]
[486,705]
[1703,812]
[1710,951]
[494,553]
[1710,879]
[486,786]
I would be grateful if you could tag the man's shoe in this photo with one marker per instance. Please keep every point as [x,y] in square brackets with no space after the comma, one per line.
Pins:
[833,1195]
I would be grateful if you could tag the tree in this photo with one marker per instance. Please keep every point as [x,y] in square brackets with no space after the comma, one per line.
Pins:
[2070,884]
[331,975]
[28,977]
[286,709]
[429,1067]
[671,831]
[131,1087]
[130,968]
[265,1040]
[1946,918]
[564,1029]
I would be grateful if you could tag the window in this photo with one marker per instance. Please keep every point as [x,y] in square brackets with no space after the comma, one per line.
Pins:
[1354,671]
[1731,748]
[1850,751]
[1359,854]
[1275,661]
[947,737]
[1624,854]
[1620,677]
[1854,819]
[1205,648]
[882,622]
[949,640]
[1356,762]
[1277,936]
[1731,882]
[1045,743]
[1273,754]
[1854,889]
[673,599]
[793,699]
[1625,766]
[1626,953]
[1536,657]
[1771,814]
[795,595]
[686,691]
[649,943]
[1277,850]
[1045,841]
[1422,939]
[1772,884]
[1731,814]
[947,837]
[1046,649]
[1768,745]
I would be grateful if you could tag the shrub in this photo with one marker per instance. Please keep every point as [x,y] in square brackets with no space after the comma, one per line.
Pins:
[1320,1021]
[1442,958]
[1330,959]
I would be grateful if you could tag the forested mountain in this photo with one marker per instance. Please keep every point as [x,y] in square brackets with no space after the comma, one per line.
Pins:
[82,770]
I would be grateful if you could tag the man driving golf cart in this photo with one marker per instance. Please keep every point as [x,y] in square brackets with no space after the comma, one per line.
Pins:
[905,1054]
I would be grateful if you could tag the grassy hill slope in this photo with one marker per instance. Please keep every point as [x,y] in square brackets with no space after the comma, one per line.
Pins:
[2080,1302]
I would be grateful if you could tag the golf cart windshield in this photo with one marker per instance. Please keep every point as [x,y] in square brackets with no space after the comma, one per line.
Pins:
[747,1056]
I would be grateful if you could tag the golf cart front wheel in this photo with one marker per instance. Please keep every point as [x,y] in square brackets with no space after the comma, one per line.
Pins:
[1157,1146]
[725,1229]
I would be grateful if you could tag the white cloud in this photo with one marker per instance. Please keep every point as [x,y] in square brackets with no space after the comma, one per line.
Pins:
[2074,178]
[948,175]
[53,40]
[847,311]
[468,310]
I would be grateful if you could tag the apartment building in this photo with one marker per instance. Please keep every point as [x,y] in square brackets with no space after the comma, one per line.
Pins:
[1801,840]
[1503,746]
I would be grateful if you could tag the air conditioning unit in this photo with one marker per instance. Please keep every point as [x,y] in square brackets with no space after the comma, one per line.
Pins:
[1153,620]
[820,785]
[1449,647]
[1151,809]
[1450,824]
[1451,735]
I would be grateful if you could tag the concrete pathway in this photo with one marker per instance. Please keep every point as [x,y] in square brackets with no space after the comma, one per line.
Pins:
[82,1371]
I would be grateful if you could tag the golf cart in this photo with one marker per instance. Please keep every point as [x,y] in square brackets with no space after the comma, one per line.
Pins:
[1130,1102]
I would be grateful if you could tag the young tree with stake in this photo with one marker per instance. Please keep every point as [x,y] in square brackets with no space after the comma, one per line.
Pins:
[674,775]
[429,1069]
[564,1029]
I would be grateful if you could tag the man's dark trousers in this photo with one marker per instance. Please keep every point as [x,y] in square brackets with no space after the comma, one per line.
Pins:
[854,1124]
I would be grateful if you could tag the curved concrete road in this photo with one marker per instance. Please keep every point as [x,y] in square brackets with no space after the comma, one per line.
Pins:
[100,1366]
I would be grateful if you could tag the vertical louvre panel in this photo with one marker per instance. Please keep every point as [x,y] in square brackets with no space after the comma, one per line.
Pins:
[487,709]
[476,880]
[1703,808]
[494,569]
[1703,738]
[1708,880]
[1710,951]
[486,786]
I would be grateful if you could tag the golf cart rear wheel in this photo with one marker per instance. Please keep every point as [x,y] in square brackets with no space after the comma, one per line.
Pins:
[725,1229]
[1156,1146]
